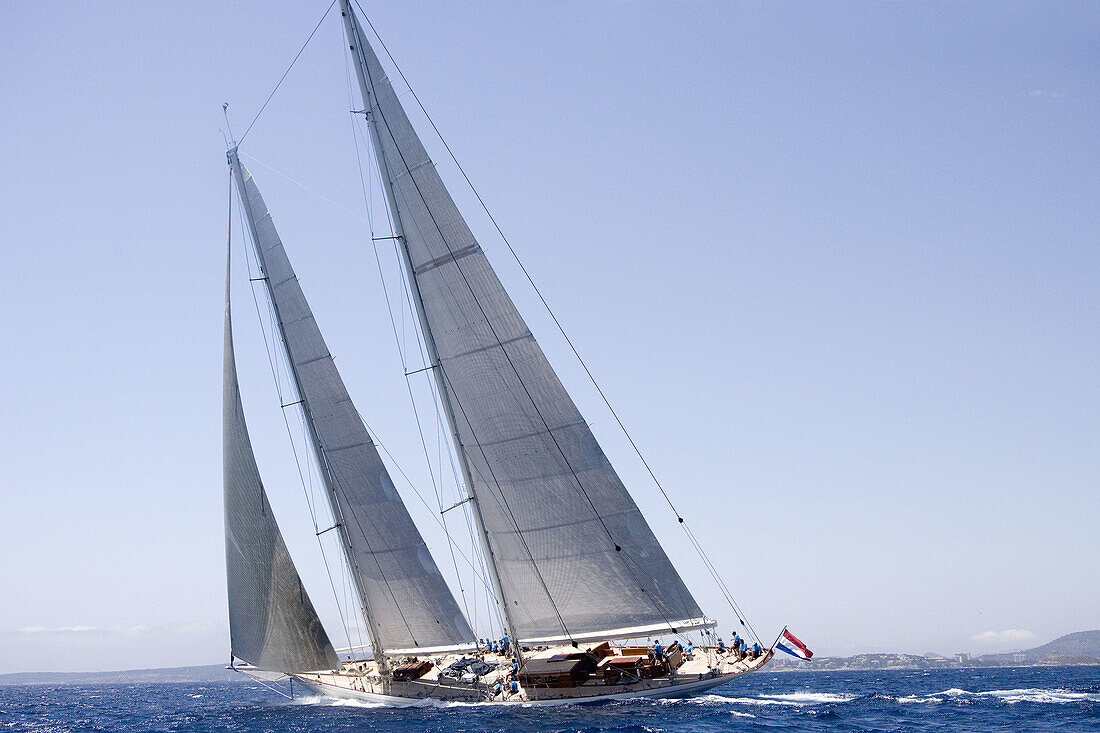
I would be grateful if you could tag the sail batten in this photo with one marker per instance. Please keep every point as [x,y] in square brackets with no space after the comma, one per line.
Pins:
[406,602]
[569,547]
[272,623]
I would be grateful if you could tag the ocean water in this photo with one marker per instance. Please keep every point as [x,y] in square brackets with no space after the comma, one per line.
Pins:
[1021,699]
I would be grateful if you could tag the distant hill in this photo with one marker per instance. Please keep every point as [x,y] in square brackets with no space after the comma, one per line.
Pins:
[207,673]
[1082,644]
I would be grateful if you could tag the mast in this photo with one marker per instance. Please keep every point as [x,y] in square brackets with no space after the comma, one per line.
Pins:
[356,43]
[315,444]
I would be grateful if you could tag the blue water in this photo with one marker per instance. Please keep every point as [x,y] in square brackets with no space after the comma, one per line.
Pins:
[1027,699]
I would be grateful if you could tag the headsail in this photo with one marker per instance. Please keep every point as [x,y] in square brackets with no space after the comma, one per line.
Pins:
[272,624]
[406,601]
[572,552]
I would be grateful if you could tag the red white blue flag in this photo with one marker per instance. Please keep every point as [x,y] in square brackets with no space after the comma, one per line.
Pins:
[790,644]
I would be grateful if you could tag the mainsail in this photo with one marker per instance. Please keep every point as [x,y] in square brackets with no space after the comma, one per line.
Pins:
[571,553]
[272,624]
[406,601]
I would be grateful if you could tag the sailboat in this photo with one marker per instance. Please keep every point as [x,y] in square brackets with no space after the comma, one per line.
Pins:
[580,582]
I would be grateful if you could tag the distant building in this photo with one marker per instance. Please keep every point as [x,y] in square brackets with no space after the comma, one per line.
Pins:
[1019,658]
[962,658]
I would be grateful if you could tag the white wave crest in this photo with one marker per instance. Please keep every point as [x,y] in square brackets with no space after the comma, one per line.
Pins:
[1025,694]
[336,702]
[797,699]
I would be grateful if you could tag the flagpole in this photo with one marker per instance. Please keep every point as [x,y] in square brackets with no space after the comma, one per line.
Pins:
[772,648]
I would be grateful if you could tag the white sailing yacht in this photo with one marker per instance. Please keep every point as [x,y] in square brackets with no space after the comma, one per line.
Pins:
[576,571]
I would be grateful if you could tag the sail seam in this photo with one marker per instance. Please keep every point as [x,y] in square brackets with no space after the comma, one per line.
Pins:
[307,362]
[525,436]
[490,347]
[447,258]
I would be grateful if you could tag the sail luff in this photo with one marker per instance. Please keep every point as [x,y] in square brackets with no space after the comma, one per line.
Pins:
[405,601]
[354,34]
[272,623]
[571,548]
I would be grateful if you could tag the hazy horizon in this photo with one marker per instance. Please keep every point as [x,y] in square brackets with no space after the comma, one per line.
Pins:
[835,266]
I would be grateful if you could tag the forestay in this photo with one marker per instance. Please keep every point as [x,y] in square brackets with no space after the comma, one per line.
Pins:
[272,623]
[406,600]
[555,512]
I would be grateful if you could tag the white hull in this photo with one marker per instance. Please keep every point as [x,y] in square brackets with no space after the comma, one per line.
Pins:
[681,690]
[344,687]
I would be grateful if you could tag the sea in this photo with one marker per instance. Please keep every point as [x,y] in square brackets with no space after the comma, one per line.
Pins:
[1004,699]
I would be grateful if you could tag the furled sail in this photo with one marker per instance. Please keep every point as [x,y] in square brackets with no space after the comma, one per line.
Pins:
[405,599]
[272,624]
[554,511]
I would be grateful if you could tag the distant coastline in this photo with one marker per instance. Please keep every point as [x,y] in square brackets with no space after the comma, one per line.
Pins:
[195,675]
[1080,648]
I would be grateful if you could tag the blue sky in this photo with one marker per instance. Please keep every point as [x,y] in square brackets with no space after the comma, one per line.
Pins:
[834,264]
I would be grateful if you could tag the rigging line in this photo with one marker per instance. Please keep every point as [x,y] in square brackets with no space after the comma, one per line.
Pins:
[303,48]
[530,397]
[404,365]
[278,388]
[304,187]
[543,300]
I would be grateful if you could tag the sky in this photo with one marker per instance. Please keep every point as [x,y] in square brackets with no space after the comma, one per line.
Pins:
[835,265]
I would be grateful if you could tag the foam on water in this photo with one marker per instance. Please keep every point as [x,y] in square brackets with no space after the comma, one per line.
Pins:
[334,702]
[1026,694]
[795,699]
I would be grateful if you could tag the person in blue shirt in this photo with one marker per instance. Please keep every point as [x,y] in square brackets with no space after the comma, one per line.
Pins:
[658,650]
[757,650]
[690,649]
[721,646]
[504,644]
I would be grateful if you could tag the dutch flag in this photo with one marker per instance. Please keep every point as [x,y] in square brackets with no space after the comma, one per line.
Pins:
[790,644]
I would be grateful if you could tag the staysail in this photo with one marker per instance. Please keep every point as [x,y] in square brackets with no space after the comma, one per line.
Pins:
[272,623]
[572,554]
[406,601]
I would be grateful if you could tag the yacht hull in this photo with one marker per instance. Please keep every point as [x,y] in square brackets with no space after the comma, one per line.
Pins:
[398,694]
